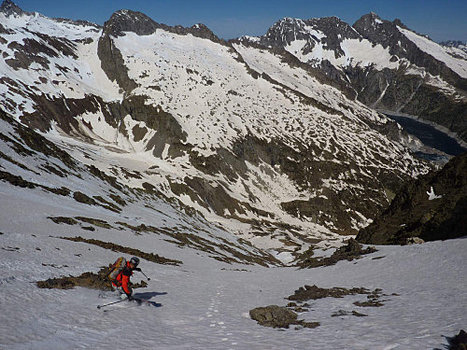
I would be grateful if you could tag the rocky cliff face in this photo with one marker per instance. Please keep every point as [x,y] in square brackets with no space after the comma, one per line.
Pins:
[386,65]
[253,139]
[433,207]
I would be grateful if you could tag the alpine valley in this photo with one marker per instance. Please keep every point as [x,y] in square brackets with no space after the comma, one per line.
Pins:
[225,166]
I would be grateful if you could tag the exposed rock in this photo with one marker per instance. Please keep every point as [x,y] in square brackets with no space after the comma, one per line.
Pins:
[112,63]
[274,316]
[431,208]
[279,317]
[353,250]
[91,280]
[459,342]
[87,279]
[83,198]
[314,292]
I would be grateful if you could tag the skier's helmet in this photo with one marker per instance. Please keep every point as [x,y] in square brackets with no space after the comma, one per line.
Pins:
[134,260]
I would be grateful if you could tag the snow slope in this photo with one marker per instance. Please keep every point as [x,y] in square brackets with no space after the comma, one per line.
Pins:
[205,303]
[457,64]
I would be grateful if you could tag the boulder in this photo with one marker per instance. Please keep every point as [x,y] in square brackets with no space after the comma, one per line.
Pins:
[274,316]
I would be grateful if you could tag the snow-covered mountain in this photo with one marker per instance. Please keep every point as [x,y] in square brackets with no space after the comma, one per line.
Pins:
[60,218]
[383,64]
[217,164]
[257,144]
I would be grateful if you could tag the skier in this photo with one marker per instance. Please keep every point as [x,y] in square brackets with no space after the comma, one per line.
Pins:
[122,281]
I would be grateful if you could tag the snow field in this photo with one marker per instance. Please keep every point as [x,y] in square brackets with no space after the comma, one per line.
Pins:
[205,303]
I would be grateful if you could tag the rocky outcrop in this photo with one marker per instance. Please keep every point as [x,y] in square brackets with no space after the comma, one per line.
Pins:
[433,207]
[278,317]
[274,316]
[352,250]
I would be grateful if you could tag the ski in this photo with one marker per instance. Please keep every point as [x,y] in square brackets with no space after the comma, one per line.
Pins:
[111,303]
[139,301]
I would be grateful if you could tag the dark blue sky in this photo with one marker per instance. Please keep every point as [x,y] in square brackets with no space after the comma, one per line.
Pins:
[440,19]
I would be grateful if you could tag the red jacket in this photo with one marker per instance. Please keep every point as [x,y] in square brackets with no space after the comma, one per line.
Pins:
[123,278]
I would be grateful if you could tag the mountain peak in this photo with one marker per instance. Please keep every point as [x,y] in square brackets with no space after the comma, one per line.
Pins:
[129,21]
[202,31]
[139,23]
[399,23]
[369,19]
[8,7]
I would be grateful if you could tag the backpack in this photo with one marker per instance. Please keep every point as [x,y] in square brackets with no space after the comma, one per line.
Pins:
[116,268]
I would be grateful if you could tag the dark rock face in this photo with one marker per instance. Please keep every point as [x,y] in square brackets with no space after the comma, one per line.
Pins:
[129,21]
[433,207]
[112,63]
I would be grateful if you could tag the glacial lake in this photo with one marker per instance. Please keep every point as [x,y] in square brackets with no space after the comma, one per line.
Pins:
[429,135]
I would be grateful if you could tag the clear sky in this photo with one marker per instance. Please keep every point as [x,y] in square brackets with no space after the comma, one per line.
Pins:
[440,19]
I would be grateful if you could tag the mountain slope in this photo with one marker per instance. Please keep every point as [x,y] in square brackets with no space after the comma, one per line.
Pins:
[42,173]
[257,144]
[382,64]
[431,208]
[202,302]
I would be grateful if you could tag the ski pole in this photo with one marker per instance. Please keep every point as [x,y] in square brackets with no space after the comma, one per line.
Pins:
[144,275]
[111,303]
